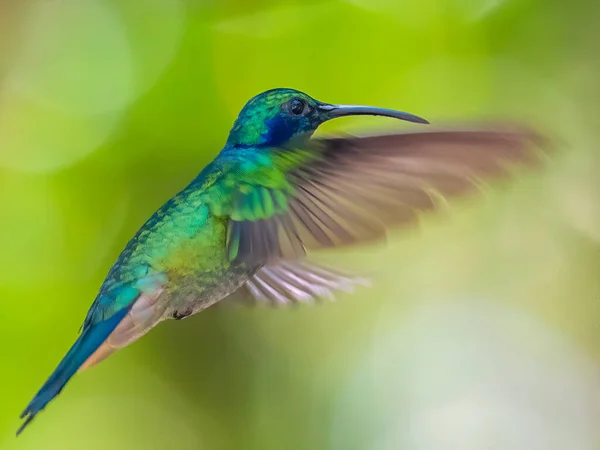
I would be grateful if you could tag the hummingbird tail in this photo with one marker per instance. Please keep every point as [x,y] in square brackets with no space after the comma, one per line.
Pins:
[84,346]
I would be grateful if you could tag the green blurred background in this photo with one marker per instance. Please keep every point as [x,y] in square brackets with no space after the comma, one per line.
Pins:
[482,329]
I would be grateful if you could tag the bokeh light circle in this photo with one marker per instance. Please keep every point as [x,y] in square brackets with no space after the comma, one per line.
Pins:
[469,375]
[80,65]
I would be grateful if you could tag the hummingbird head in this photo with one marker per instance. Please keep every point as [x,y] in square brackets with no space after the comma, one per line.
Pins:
[278,116]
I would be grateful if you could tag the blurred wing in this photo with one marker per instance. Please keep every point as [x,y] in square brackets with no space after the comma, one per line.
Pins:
[344,191]
[290,282]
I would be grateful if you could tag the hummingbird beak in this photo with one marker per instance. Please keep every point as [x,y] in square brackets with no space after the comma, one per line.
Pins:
[334,111]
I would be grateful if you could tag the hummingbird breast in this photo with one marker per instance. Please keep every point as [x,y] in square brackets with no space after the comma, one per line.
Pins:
[188,244]
[191,292]
[189,247]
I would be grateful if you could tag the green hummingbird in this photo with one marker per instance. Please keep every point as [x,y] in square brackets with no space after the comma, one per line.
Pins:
[246,222]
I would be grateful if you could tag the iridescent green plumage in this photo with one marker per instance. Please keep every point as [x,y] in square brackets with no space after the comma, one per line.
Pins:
[272,194]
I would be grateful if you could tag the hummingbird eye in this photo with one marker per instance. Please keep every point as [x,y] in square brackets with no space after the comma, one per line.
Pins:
[297,106]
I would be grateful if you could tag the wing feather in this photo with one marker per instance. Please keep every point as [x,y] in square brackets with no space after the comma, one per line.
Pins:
[345,191]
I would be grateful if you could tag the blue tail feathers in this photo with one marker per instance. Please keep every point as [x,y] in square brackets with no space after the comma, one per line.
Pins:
[82,349]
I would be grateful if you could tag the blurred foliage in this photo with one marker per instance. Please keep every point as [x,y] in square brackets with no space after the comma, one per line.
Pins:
[481,330]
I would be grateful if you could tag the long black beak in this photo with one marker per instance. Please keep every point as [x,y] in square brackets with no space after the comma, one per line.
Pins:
[354,110]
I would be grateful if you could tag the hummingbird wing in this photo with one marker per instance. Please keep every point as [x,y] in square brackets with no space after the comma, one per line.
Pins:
[343,191]
[291,282]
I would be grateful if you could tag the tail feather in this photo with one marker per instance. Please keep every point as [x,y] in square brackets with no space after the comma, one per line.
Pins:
[82,349]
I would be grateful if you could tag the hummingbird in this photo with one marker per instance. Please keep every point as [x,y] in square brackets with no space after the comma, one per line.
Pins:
[274,192]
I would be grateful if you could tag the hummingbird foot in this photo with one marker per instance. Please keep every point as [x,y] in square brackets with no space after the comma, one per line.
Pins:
[178,315]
